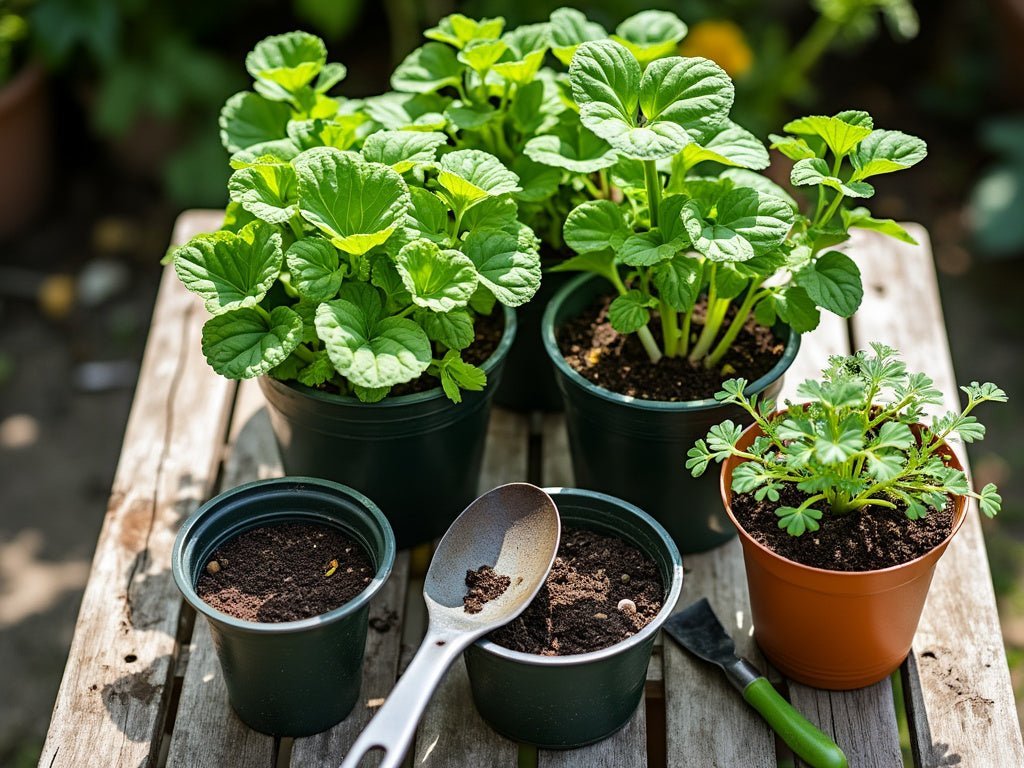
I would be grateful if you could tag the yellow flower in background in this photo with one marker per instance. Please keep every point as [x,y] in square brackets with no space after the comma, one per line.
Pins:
[723,42]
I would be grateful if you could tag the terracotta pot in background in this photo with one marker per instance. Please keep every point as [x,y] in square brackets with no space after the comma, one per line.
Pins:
[25,148]
[834,629]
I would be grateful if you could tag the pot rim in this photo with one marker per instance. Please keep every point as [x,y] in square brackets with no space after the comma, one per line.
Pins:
[501,351]
[645,634]
[294,482]
[960,506]
[554,353]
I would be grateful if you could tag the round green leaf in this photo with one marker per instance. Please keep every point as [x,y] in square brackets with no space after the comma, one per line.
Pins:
[315,268]
[428,69]
[569,29]
[372,352]
[341,132]
[266,190]
[693,93]
[838,134]
[397,111]
[458,30]
[605,80]
[649,35]
[747,223]
[453,329]
[280,150]
[356,203]
[572,147]
[511,273]
[814,171]
[481,55]
[679,281]
[247,118]
[247,343]
[538,181]
[438,280]
[403,150]
[230,270]
[629,313]
[728,144]
[833,282]
[470,175]
[595,225]
[291,60]
[887,151]
[646,249]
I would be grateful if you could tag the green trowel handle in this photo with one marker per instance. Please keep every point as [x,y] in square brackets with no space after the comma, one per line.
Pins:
[813,746]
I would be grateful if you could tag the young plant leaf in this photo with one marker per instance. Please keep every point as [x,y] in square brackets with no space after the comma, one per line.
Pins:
[572,147]
[453,329]
[525,55]
[247,118]
[458,30]
[249,342]
[861,218]
[798,521]
[481,55]
[341,132]
[815,171]
[569,29]
[747,223]
[355,203]
[470,175]
[290,61]
[319,371]
[650,35]
[405,111]
[278,150]
[885,152]
[728,144]
[456,375]
[230,271]
[315,268]
[629,312]
[403,150]
[678,281]
[833,282]
[791,146]
[511,273]
[838,134]
[595,226]
[267,190]
[796,309]
[438,280]
[428,69]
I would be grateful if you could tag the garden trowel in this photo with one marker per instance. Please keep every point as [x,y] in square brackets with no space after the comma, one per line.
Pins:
[699,631]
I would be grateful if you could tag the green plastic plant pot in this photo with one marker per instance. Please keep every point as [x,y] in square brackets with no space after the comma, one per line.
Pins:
[290,678]
[417,456]
[560,702]
[636,449]
[528,383]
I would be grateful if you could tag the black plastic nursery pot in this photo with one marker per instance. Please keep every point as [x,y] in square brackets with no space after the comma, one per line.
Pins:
[529,380]
[636,449]
[417,456]
[290,678]
[560,702]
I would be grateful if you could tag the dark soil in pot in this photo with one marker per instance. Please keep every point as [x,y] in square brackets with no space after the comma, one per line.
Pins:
[601,590]
[859,541]
[284,572]
[619,363]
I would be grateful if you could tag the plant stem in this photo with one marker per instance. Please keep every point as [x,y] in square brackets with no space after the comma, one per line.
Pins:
[650,345]
[683,347]
[669,328]
[303,354]
[296,226]
[653,189]
[738,321]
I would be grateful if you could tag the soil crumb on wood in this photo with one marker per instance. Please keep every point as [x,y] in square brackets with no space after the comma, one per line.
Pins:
[485,584]
[284,572]
[619,363]
[600,591]
[865,540]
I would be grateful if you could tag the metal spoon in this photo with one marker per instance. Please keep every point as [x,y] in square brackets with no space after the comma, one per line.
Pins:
[514,529]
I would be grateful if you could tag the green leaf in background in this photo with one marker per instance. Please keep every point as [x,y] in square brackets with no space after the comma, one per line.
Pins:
[839,134]
[453,329]
[428,69]
[511,273]
[792,147]
[646,249]
[428,215]
[404,111]
[481,55]
[491,213]
[403,150]
[315,268]
[833,282]
[230,271]
[741,177]
[329,76]
[458,30]
[538,181]
[368,349]
[247,118]
[885,152]
[291,60]
[267,190]
[281,150]
[569,29]
[629,312]
[249,342]
[572,147]
[469,175]
[318,372]
[456,375]
[728,144]
[469,118]
[797,309]
[356,203]
[384,275]
[595,225]
[650,35]
[527,45]
[747,223]
[815,171]
[861,218]
[678,281]
[438,280]
[341,133]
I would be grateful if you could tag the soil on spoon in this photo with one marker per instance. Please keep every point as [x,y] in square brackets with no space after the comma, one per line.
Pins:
[284,572]
[485,584]
[599,592]
[865,540]
[619,363]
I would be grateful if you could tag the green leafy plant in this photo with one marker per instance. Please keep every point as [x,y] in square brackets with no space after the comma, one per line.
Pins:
[14,31]
[856,443]
[358,270]
[682,231]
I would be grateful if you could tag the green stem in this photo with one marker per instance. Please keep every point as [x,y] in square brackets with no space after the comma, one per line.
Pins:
[831,211]
[603,178]
[295,222]
[653,189]
[303,354]
[592,188]
[650,345]
[738,321]
[669,328]
[684,336]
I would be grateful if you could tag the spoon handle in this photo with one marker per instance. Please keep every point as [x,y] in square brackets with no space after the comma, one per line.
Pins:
[392,728]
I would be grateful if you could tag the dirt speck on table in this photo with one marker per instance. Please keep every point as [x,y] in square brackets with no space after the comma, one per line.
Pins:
[485,584]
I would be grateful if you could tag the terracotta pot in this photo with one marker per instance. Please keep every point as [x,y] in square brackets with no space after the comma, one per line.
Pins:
[834,629]
[24,148]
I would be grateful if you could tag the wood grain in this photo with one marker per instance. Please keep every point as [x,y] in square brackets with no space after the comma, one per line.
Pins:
[114,695]
[959,697]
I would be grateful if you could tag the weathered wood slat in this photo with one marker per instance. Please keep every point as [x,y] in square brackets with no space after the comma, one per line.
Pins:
[207,732]
[452,733]
[959,697]
[556,466]
[113,697]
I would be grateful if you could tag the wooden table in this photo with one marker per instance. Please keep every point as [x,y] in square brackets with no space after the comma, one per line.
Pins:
[142,685]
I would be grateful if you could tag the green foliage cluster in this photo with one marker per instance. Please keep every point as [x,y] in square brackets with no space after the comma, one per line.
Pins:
[856,443]
[350,255]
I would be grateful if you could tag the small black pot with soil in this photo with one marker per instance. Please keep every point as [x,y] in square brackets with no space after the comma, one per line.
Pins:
[284,570]
[635,448]
[571,669]
[437,444]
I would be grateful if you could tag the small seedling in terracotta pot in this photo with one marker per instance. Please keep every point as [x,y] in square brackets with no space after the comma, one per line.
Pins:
[843,502]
